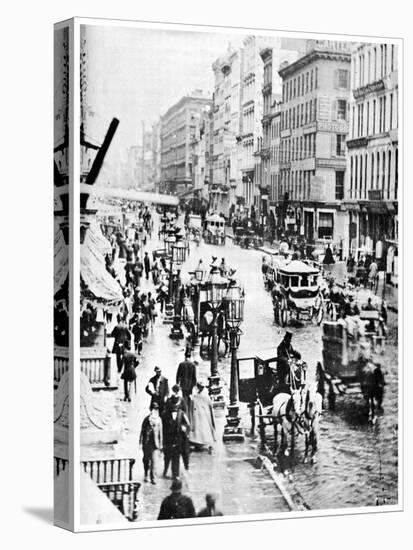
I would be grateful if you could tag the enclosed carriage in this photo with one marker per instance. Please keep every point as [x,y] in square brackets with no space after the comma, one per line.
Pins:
[214,230]
[296,292]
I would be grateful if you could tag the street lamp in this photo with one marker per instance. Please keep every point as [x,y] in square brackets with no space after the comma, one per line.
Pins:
[178,257]
[215,289]
[235,315]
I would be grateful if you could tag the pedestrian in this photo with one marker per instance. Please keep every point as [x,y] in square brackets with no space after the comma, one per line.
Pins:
[202,432]
[137,272]
[175,397]
[151,441]
[186,377]
[210,508]
[176,428]
[158,389]
[176,505]
[128,375]
[147,264]
[328,258]
[121,335]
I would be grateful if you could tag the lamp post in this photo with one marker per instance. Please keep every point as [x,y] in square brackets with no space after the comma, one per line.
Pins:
[215,288]
[178,257]
[235,316]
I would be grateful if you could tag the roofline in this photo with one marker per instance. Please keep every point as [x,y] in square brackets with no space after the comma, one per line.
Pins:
[311,57]
[183,100]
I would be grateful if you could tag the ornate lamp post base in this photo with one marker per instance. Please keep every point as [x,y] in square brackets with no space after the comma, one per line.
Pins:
[176,331]
[169,314]
[233,431]
[215,391]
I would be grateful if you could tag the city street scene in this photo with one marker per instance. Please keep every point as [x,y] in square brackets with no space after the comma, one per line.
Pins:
[239,307]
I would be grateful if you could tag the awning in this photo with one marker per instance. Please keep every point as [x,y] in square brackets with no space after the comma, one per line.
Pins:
[61,261]
[94,274]
[98,240]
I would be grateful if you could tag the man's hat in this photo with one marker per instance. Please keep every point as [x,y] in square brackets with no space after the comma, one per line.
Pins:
[157,369]
[154,405]
[288,334]
[176,485]
[175,388]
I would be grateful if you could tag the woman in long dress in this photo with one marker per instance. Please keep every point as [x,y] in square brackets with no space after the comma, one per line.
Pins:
[202,432]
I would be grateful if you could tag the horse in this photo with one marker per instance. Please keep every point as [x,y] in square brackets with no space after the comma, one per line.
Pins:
[310,418]
[372,384]
[286,409]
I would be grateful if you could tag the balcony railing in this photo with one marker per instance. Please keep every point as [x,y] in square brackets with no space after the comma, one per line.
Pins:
[124,496]
[109,470]
[93,363]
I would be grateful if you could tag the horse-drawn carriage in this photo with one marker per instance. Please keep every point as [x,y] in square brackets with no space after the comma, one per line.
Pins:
[296,291]
[348,362]
[214,230]
[247,238]
[291,406]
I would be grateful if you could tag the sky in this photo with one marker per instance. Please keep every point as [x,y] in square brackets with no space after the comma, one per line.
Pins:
[137,74]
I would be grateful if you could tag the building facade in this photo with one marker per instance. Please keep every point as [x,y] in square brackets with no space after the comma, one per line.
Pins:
[313,132]
[178,126]
[372,164]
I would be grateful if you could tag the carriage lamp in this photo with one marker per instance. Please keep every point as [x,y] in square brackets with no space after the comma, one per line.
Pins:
[215,287]
[199,274]
[235,306]
[169,242]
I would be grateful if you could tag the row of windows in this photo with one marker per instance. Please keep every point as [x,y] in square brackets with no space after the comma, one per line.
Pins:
[374,64]
[376,116]
[374,171]
[298,148]
[304,83]
[300,115]
[296,183]
[248,120]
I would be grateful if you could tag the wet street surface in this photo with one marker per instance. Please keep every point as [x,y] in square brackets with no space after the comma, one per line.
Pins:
[356,462]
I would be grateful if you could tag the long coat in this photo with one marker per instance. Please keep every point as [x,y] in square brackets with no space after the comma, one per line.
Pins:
[129,364]
[186,376]
[175,431]
[176,506]
[158,389]
[121,334]
[151,434]
[202,420]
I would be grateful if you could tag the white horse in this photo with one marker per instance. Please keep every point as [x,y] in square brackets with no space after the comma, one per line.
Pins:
[310,418]
[286,409]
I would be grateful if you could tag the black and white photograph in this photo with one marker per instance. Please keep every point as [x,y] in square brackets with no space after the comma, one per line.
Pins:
[236,321]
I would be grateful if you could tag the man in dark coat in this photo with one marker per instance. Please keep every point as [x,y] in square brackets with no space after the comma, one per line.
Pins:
[121,335]
[210,508]
[186,378]
[151,441]
[285,352]
[129,365]
[176,429]
[158,389]
[147,264]
[176,505]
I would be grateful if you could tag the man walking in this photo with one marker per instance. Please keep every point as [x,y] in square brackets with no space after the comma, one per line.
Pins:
[176,505]
[158,389]
[128,375]
[176,428]
[147,264]
[186,378]
[151,441]
[121,335]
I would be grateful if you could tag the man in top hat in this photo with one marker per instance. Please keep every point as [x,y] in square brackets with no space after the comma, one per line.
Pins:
[158,389]
[176,428]
[186,377]
[176,505]
[285,352]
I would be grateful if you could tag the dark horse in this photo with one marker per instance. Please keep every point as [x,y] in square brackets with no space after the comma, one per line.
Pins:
[372,386]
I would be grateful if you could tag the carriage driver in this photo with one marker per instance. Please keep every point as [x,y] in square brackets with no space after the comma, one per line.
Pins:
[285,352]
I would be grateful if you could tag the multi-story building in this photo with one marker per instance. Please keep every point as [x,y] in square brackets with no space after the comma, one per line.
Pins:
[200,161]
[177,132]
[372,165]
[156,154]
[275,140]
[314,127]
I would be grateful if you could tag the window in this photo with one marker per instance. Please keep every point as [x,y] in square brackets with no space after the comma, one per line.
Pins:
[374,113]
[339,185]
[302,113]
[316,78]
[341,109]
[340,144]
[351,177]
[372,172]
[293,118]
[396,173]
[377,170]
[392,58]
[384,114]
[306,82]
[302,84]
[311,80]
[306,113]
[343,78]
[391,112]
[298,116]
[380,114]
[310,111]
[375,63]
[325,225]
[388,174]
[385,59]
[383,173]
[368,118]
[315,109]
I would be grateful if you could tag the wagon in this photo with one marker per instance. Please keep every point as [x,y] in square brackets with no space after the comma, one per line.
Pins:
[296,292]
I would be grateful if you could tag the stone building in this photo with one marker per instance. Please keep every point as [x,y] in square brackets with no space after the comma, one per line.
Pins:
[371,195]
[177,132]
[314,127]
